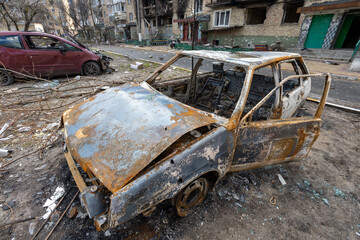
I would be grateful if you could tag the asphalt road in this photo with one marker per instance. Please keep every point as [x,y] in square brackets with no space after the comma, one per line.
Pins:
[344,92]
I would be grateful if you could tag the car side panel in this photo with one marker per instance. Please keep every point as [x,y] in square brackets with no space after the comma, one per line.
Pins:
[210,153]
[14,59]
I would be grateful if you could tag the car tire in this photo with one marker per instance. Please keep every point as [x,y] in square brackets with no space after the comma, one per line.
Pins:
[5,78]
[191,196]
[91,69]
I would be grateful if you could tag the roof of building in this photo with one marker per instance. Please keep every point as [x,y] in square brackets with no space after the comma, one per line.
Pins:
[242,58]
[2,33]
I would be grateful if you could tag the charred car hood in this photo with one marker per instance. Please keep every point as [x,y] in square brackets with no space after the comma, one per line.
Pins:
[120,131]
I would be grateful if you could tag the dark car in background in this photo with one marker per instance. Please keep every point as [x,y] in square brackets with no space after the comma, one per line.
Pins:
[46,55]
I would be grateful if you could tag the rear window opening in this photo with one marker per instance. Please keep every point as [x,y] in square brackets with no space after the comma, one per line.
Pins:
[11,42]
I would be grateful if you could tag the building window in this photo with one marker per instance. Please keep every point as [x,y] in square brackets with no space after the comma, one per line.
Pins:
[256,15]
[222,18]
[130,16]
[198,5]
[118,7]
[129,1]
[290,15]
[123,8]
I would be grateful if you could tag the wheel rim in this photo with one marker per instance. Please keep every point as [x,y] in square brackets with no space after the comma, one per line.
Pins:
[90,69]
[4,77]
[192,196]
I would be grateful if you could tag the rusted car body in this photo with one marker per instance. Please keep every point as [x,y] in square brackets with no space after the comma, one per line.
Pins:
[142,143]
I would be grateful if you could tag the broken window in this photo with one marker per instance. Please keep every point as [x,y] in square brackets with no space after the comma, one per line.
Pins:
[256,15]
[290,8]
[216,91]
[71,48]
[198,6]
[288,68]
[130,16]
[222,18]
[42,42]
[262,83]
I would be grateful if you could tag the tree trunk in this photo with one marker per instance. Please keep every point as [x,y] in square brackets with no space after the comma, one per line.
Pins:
[9,15]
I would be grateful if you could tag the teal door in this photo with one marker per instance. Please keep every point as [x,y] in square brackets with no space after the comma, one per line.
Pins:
[318,29]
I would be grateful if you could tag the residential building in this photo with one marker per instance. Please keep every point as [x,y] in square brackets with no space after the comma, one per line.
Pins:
[131,26]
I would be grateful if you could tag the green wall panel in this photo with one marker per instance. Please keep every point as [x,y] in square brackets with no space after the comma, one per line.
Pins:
[318,29]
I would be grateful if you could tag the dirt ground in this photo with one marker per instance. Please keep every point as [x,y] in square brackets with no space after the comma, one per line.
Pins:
[319,201]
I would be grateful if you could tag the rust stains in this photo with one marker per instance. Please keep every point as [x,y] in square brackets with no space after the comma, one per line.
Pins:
[116,145]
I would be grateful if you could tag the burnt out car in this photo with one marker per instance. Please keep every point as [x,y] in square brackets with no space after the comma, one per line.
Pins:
[46,55]
[142,143]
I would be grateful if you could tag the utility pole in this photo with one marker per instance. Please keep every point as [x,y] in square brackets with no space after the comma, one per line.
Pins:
[193,36]
[138,18]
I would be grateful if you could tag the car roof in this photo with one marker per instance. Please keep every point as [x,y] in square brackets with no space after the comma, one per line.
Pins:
[2,33]
[246,58]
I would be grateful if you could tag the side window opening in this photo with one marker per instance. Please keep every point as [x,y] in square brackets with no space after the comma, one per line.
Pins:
[263,82]
[42,42]
[288,68]
[71,47]
[11,42]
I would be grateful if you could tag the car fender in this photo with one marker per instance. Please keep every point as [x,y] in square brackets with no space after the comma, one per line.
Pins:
[164,181]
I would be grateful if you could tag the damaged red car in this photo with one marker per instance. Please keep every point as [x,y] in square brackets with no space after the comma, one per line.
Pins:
[140,144]
[46,55]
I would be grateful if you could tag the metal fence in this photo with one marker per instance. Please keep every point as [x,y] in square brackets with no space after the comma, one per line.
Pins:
[184,46]
[148,42]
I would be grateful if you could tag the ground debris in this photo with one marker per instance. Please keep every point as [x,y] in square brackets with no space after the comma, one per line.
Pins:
[51,202]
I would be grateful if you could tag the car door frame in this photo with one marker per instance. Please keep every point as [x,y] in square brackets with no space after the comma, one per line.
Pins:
[291,100]
[303,136]
[51,69]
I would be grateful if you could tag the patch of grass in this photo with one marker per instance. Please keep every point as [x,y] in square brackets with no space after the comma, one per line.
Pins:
[147,64]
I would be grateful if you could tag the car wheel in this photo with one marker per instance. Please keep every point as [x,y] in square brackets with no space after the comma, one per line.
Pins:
[191,196]
[5,78]
[91,69]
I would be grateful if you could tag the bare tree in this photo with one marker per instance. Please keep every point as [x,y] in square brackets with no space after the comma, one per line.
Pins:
[23,10]
[9,14]
[85,16]
[97,16]
[4,19]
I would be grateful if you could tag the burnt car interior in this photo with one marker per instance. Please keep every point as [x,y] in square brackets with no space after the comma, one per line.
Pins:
[219,90]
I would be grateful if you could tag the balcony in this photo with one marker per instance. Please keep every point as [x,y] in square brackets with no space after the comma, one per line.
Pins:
[238,3]
[120,16]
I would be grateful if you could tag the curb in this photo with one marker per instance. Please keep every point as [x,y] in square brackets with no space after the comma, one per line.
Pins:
[345,108]
[343,77]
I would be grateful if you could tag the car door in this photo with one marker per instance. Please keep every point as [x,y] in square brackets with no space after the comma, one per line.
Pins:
[272,141]
[72,59]
[44,55]
[12,53]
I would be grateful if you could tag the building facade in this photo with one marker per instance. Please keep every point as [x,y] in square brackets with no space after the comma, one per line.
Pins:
[330,24]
